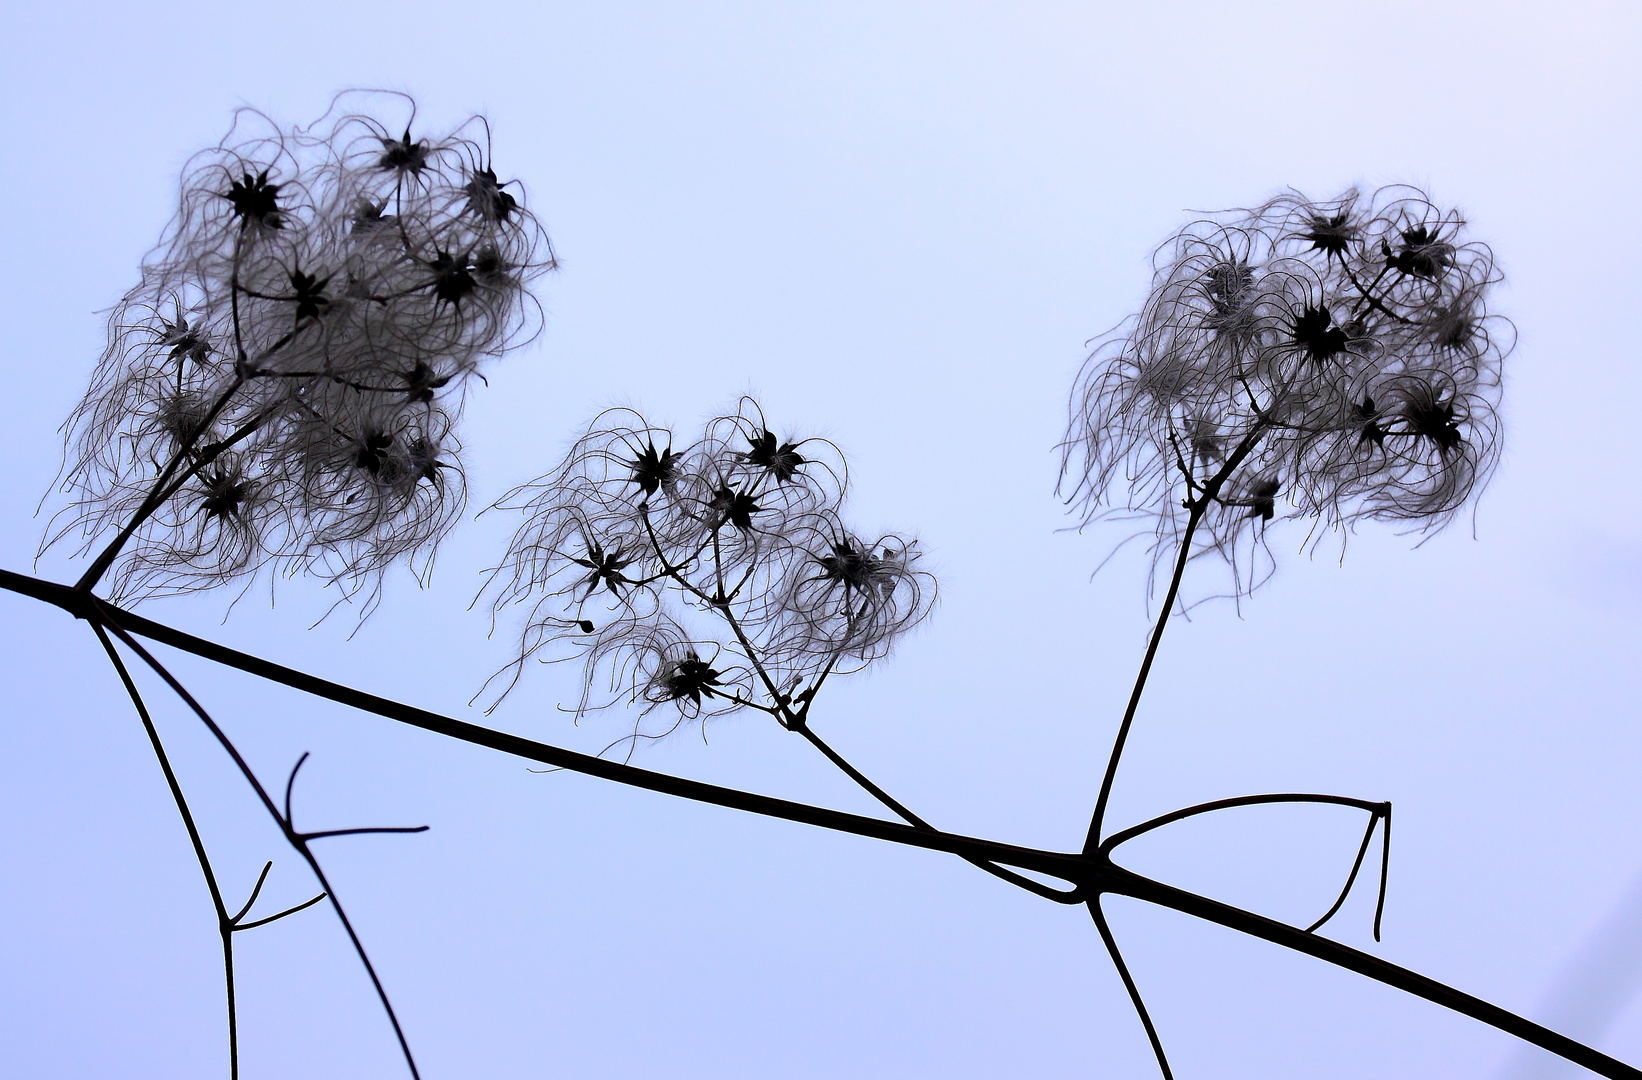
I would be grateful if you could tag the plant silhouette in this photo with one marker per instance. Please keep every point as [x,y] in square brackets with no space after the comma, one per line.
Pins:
[282,391]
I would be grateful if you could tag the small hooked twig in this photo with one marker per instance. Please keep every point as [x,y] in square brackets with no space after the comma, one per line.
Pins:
[289,821]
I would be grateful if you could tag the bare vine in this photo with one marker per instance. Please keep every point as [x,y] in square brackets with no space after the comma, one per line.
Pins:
[281,391]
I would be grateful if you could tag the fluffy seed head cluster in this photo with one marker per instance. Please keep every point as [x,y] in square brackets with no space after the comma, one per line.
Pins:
[281,387]
[702,577]
[1329,361]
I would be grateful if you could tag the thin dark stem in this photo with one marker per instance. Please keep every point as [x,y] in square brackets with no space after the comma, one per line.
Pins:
[165,767]
[227,933]
[211,725]
[1129,985]
[1195,509]
[1351,878]
[224,922]
[256,891]
[807,697]
[1195,515]
[1385,870]
[856,775]
[1111,842]
[800,722]
[235,925]
[289,820]
[363,832]
[156,495]
[1376,810]
[164,490]
[295,839]
[1367,295]
[721,603]
[164,487]
[1180,460]
[305,905]
[1061,896]
[364,958]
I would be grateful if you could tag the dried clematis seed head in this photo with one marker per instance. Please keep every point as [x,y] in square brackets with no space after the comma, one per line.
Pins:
[317,305]
[1345,346]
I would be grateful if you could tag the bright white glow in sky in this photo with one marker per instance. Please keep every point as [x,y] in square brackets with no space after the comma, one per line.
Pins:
[899,224]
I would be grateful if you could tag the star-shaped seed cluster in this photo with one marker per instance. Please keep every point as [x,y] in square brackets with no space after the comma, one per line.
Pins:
[706,576]
[282,385]
[1332,362]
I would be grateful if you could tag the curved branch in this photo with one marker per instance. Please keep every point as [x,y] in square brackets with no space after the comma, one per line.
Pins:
[256,891]
[363,832]
[1376,810]
[1351,879]
[1128,834]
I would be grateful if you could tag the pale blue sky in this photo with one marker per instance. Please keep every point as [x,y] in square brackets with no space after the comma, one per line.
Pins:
[899,224]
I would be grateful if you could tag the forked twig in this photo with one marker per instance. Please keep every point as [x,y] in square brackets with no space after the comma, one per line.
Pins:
[1093,871]
[296,840]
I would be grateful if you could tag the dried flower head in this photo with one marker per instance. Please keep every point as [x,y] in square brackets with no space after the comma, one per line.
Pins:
[707,577]
[1327,361]
[314,310]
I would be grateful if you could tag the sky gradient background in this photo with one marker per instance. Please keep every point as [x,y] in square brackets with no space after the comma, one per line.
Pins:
[899,224]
